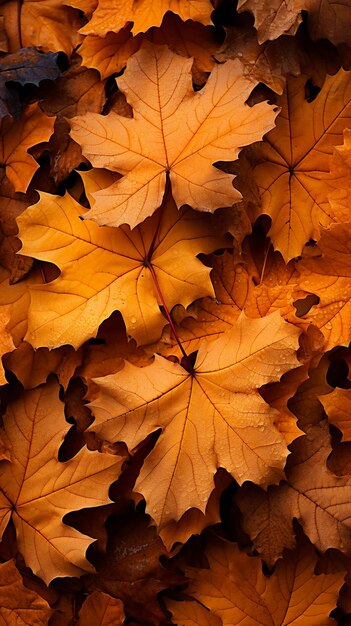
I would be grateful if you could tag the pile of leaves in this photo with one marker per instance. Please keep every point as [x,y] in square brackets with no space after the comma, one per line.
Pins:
[175,308]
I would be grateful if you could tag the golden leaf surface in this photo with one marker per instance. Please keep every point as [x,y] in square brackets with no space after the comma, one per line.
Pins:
[39,490]
[293,173]
[31,128]
[48,24]
[100,609]
[6,342]
[110,54]
[149,148]
[105,269]
[317,498]
[235,589]
[192,614]
[337,406]
[328,276]
[19,605]
[212,417]
[112,16]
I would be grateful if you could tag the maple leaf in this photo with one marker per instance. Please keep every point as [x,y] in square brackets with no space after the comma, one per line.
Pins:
[192,614]
[294,161]
[27,65]
[235,589]
[234,428]
[30,128]
[123,574]
[19,605]
[113,16]
[327,19]
[105,269]
[148,149]
[32,367]
[39,490]
[6,342]
[110,54]
[234,279]
[100,609]
[44,24]
[328,276]
[337,407]
[313,495]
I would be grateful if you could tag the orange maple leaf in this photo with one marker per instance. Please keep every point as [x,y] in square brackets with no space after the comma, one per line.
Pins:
[211,416]
[104,269]
[100,609]
[328,276]
[46,24]
[18,604]
[110,54]
[32,127]
[235,589]
[38,490]
[112,16]
[147,149]
[294,161]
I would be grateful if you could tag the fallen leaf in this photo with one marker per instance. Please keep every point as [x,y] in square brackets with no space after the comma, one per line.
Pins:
[6,342]
[100,609]
[113,16]
[337,406]
[328,276]
[234,428]
[235,589]
[24,66]
[110,54]
[313,495]
[30,128]
[45,24]
[123,269]
[131,569]
[294,161]
[192,614]
[39,490]
[327,19]
[32,367]
[19,605]
[148,149]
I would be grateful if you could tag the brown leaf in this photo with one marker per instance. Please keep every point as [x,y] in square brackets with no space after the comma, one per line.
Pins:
[312,494]
[100,609]
[131,568]
[19,605]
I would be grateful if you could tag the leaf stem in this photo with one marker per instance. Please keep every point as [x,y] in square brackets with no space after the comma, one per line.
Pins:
[171,323]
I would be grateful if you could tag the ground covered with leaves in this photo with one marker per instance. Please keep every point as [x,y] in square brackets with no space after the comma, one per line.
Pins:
[175,308]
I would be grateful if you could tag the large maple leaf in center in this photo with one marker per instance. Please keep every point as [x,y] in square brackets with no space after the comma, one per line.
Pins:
[212,416]
[174,132]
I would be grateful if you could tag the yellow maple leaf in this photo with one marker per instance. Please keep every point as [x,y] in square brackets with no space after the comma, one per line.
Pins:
[107,269]
[294,161]
[215,123]
[38,490]
[112,16]
[211,416]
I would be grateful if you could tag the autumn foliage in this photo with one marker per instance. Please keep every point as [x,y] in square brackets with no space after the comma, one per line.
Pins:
[175,310]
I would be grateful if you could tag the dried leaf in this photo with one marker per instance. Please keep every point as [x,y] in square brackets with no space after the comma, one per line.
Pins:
[234,428]
[39,490]
[147,149]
